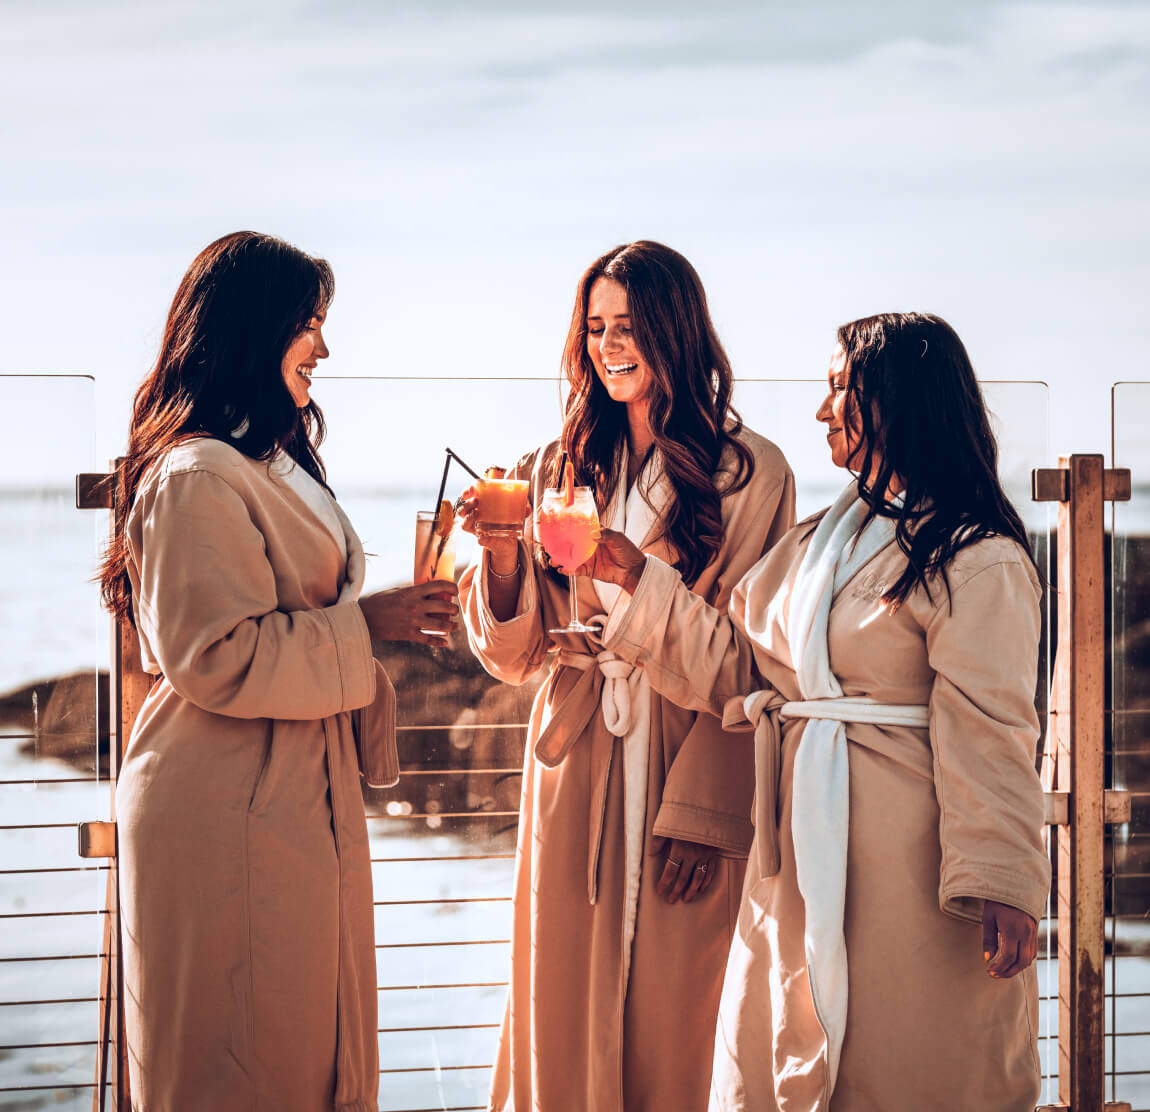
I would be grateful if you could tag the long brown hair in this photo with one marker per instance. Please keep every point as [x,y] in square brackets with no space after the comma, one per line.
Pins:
[219,373]
[924,420]
[690,411]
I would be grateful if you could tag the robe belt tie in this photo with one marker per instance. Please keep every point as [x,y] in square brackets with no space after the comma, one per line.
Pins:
[615,697]
[602,686]
[763,710]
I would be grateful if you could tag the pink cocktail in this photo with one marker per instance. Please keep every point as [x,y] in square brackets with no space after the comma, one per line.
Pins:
[566,525]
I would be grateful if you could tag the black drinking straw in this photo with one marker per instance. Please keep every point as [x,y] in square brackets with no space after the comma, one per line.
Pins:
[443,481]
[562,468]
[470,470]
[438,503]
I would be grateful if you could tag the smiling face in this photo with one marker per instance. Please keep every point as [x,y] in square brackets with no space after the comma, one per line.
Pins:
[838,412]
[301,357]
[611,344]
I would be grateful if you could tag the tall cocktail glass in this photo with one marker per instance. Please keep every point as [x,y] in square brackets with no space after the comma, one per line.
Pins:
[434,550]
[566,524]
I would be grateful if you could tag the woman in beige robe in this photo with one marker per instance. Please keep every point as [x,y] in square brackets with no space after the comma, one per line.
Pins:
[635,815]
[936,811]
[245,879]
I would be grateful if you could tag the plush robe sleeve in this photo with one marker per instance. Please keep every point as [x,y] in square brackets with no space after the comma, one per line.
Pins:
[709,789]
[205,600]
[693,653]
[983,648]
[513,650]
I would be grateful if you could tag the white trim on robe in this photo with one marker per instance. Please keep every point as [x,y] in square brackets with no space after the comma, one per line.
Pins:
[626,699]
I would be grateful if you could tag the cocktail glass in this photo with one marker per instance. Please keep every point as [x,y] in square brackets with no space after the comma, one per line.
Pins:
[502,504]
[566,524]
[434,551]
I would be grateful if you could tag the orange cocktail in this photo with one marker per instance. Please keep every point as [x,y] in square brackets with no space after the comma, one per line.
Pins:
[502,503]
[434,545]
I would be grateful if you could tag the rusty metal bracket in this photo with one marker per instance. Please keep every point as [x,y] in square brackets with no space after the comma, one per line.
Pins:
[94,490]
[1052,484]
[1116,807]
[97,839]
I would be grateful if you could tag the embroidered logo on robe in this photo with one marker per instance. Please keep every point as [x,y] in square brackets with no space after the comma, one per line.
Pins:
[868,587]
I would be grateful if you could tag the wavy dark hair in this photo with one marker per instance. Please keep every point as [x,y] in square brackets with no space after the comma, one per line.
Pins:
[923,420]
[690,409]
[238,308]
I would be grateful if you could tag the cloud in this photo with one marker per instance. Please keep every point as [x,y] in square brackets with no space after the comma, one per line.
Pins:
[816,160]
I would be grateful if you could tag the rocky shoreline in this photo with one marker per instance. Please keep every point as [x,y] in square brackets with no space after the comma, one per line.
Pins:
[66,717]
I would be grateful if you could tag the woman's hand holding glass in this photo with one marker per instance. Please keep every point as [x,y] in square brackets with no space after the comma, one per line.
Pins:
[501,543]
[427,613]
[616,559]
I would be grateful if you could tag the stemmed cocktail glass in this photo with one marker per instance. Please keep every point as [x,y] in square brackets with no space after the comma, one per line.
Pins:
[567,525]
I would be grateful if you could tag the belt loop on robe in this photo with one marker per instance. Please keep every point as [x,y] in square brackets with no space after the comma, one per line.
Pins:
[761,710]
[602,686]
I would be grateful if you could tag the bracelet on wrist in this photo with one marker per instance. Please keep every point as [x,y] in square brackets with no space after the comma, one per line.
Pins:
[510,575]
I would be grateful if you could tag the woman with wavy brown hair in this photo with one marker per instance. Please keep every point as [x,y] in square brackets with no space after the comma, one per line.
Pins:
[245,878]
[635,815]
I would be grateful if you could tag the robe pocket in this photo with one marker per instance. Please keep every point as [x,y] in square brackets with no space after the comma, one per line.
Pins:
[373,727]
[261,789]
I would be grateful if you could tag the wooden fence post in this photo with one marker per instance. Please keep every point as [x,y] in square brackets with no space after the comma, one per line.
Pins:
[1081,806]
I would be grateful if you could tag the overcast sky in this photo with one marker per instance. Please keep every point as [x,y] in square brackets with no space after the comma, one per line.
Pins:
[460,163]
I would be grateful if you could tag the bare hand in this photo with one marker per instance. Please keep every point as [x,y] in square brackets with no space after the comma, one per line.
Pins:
[688,870]
[1009,939]
[617,560]
[503,546]
[425,614]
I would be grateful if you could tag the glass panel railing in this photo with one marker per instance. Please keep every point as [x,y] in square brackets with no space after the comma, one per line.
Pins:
[55,642]
[443,840]
[1128,931]
[1020,414]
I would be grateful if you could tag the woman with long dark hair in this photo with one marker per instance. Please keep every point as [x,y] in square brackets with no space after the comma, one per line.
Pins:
[635,815]
[245,879]
[888,924]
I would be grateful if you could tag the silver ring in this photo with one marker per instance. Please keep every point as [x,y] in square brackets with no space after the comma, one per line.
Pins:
[701,866]
[672,861]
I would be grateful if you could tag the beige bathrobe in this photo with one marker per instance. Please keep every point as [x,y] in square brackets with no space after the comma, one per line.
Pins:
[246,898]
[939,820]
[574,1036]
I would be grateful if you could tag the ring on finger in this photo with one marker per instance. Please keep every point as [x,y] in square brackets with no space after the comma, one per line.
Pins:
[676,864]
[701,867]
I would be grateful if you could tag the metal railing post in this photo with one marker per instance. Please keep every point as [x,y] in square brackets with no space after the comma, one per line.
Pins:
[129,685]
[1081,806]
